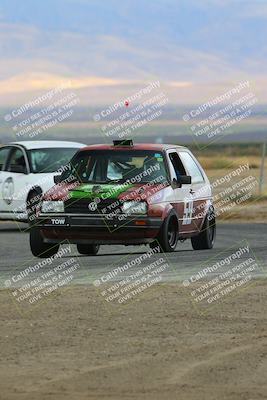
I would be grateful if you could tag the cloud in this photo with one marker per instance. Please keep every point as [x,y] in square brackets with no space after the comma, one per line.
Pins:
[103,67]
[254,10]
[36,82]
[246,8]
[113,57]
[180,84]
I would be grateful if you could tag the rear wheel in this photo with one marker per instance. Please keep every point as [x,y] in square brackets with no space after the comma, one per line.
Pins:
[38,247]
[88,249]
[169,234]
[206,238]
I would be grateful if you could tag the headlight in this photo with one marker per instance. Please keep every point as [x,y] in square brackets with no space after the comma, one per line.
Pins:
[134,207]
[52,207]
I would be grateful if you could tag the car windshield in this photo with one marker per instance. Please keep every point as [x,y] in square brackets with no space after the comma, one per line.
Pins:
[102,166]
[50,159]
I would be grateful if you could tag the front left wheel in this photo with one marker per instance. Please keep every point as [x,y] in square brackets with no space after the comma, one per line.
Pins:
[38,247]
[169,234]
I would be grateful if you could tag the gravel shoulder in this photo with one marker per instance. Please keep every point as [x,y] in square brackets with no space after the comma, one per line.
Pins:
[157,347]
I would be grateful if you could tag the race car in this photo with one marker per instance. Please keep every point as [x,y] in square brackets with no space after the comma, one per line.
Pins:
[27,170]
[127,194]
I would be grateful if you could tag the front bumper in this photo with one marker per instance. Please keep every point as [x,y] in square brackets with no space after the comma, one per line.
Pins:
[81,228]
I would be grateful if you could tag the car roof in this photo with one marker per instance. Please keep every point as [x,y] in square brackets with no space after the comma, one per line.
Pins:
[136,146]
[42,144]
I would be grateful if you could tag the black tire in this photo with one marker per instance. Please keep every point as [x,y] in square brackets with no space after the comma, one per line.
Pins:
[38,247]
[206,238]
[33,200]
[88,249]
[155,246]
[169,234]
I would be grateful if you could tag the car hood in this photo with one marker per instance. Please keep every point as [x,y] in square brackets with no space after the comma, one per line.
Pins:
[122,191]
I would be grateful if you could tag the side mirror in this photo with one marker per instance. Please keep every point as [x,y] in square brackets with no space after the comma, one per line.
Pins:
[57,179]
[182,180]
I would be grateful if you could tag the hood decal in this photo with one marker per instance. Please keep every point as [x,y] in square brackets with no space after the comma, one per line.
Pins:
[101,191]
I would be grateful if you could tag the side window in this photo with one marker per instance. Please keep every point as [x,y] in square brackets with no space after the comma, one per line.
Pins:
[191,167]
[17,162]
[3,157]
[176,164]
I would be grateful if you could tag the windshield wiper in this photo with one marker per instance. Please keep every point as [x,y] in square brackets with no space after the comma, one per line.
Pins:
[95,182]
[116,180]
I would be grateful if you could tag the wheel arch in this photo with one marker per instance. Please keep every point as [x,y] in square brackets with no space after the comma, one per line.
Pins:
[35,189]
[169,211]
[210,210]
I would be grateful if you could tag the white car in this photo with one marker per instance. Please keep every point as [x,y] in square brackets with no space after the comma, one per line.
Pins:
[27,170]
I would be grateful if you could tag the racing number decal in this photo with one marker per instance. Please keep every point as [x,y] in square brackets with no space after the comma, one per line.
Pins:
[188,212]
[8,190]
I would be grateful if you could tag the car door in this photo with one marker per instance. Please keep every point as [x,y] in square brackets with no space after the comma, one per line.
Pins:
[4,154]
[181,199]
[200,188]
[14,181]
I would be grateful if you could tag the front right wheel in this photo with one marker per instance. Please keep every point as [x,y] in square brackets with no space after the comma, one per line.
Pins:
[88,249]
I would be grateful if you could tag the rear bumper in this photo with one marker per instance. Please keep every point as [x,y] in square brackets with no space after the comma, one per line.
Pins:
[97,229]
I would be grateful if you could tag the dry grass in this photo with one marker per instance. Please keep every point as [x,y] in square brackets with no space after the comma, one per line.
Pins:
[220,161]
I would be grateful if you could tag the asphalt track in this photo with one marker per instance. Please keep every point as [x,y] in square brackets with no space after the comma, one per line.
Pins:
[183,263]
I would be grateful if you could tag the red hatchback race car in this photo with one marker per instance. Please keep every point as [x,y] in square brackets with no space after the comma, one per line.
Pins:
[128,194]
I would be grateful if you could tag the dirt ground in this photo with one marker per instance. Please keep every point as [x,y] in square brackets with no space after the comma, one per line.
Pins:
[158,347]
[255,211]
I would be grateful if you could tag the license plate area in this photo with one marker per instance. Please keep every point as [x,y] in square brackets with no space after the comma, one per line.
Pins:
[57,221]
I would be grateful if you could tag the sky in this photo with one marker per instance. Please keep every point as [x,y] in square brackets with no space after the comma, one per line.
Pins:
[109,48]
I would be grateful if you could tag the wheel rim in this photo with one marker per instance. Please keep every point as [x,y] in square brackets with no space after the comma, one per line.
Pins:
[172,234]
